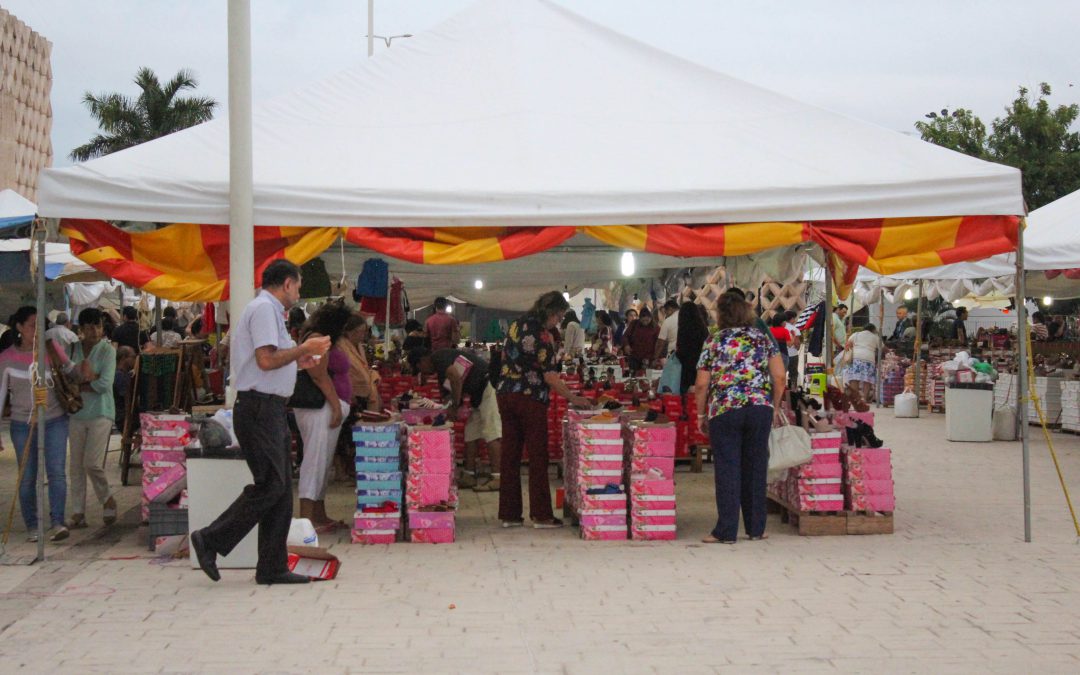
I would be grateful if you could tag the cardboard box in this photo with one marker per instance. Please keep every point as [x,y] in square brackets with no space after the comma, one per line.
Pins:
[314,562]
[434,535]
[374,536]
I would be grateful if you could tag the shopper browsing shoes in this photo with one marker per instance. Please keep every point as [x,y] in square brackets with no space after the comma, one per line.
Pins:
[464,373]
[741,379]
[529,374]
[265,360]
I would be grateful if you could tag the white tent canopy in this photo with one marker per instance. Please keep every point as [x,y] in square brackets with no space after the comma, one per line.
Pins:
[1051,242]
[15,209]
[526,114]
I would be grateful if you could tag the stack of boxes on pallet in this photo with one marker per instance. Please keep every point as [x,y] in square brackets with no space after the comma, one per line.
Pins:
[1048,389]
[1070,405]
[164,473]
[594,475]
[817,486]
[652,480]
[868,483]
[378,483]
[430,494]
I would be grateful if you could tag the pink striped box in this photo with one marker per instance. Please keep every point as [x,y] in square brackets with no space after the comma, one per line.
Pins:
[172,455]
[602,502]
[819,502]
[819,486]
[872,502]
[652,487]
[829,456]
[422,462]
[644,532]
[653,517]
[432,535]
[423,520]
[149,422]
[605,533]
[640,503]
[595,431]
[828,439]
[870,487]
[654,433]
[597,520]
[652,449]
[376,521]
[430,439]
[860,471]
[165,481]
[166,442]
[870,455]
[865,417]
[608,475]
[425,489]
[825,470]
[599,464]
[666,465]
[374,536]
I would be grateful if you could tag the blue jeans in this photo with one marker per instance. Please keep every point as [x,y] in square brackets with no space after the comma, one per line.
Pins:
[740,445]
[56,439]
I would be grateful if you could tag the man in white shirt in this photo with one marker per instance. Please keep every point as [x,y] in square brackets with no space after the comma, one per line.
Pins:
[265,360]
[669,330]
[61,334]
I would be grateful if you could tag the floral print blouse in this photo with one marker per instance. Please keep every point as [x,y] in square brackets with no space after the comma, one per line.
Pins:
[738,362]
[528,353]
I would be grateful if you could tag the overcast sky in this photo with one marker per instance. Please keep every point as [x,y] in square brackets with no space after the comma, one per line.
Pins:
[882,61]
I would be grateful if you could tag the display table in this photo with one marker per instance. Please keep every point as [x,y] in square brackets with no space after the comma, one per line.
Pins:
[214,480]
[969,414]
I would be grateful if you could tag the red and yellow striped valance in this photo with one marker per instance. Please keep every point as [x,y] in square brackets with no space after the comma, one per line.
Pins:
[458,245]
[185,262]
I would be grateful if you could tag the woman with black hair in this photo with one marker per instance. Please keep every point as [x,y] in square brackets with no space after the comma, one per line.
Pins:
[604,333]
[319,427]
[688,343]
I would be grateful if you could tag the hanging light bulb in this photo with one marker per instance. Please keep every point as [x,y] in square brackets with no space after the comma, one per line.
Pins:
[1047,301]
[450,309]
[478,284]
[566,293]
[909,294]
[626,265]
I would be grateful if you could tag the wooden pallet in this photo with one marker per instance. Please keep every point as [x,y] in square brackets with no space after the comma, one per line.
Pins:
[832,523]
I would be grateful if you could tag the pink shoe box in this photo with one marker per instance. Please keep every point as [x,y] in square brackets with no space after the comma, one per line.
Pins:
[653,532]
[831,502]
[172,455]
[860,471]
[153,467]
[594,520]
[433,535]
[648,433]
[823,470]
[589,431]
[165,442]
[827,439]
[825,456]
[430,439]
[376,521]
[162,422]
[608,475]
[167,481]
[605,533]
[183,502]
[640,503]
[424,520]
[601,446]
[434,464]
[870,455]
[872,502]
[865,417]
[589,502]
[666,465]
[819,486]
[870,487]
[425,489]
[652,449]
[595,463]
[664,487]
[652,517]
[374,536]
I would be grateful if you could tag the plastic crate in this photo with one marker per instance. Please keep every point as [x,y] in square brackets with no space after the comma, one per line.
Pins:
[166,521]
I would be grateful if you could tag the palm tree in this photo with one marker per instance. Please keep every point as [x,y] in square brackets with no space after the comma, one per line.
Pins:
[157,112]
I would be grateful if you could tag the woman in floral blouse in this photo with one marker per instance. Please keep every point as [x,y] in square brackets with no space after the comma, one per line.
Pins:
[741,378]
[529,373]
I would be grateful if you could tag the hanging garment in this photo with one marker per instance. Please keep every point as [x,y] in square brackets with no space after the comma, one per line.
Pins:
[588,316]
[373,280]
[817,333]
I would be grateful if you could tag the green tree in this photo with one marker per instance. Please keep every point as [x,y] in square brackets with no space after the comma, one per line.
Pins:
[959,130]
[158,111]
[1031,136]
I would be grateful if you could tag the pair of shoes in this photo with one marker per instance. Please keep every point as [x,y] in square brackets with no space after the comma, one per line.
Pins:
[206,558]
[552,524]
[59,533]
[709,539]
[283,578]
[513,523]
[78,522]
[490,486]
[108,511]
[468,479]
[760,537]
[31,536]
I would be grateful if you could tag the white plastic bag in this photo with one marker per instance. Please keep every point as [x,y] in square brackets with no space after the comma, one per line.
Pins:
[788,446]
[1004,420]
[302,533]
[906,404]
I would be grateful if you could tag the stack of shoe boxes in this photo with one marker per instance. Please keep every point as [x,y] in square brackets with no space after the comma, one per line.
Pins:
[595,468]
[868,483]
[428,485]
[163,438]
[652,479]
[378,483]
[818,485]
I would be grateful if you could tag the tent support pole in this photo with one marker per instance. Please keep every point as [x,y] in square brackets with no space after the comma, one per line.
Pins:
[917,360]
[159,338]
[42,234]
[828,351]
[241,182]
[370,28]
[1022,375]
[386,337]
[881,332]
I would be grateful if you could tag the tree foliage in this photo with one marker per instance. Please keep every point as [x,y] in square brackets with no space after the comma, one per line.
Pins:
[158,111]
[1032,136]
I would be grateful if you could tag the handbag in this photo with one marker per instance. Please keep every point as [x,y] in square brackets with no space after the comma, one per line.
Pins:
[64,387]
[789,446]
[671,376]
[306,394]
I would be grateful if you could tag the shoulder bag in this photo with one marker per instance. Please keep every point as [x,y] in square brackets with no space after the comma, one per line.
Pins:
[64,386]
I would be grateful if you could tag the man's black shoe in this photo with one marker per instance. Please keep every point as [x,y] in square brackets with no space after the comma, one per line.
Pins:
[207,559]
[283,578]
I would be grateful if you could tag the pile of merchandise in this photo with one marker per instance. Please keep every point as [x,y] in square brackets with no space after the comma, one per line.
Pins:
[378,483]
[816,486]
[868,482]
[430,491]
[164,475]
[594,471]
[652,479]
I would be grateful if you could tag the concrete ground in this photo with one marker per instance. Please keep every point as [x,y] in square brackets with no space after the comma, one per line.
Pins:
[955,589]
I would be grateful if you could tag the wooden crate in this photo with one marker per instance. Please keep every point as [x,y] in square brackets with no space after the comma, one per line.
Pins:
[832,523]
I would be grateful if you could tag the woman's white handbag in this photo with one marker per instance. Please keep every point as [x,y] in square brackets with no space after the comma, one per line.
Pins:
[789,446]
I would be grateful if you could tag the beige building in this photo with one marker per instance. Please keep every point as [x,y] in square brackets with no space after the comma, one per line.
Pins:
[25,110]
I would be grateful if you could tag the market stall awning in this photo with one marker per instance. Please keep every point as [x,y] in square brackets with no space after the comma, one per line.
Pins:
[15,209]
[514,114]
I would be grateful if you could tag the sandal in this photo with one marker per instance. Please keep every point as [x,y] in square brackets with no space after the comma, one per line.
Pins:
[709,539]
[490,486]
[108,513]
[78,522]
[760,537]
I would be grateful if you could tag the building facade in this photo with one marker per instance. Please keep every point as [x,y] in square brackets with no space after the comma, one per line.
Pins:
[25,108]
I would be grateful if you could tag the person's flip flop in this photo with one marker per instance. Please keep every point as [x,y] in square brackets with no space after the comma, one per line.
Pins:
[709,539]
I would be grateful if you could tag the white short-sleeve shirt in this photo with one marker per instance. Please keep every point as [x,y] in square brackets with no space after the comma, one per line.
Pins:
[261,325]
[669,331]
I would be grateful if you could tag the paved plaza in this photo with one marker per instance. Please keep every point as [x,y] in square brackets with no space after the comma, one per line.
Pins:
[955,589]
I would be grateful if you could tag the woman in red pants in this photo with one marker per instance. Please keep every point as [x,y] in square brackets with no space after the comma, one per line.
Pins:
[529,374]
